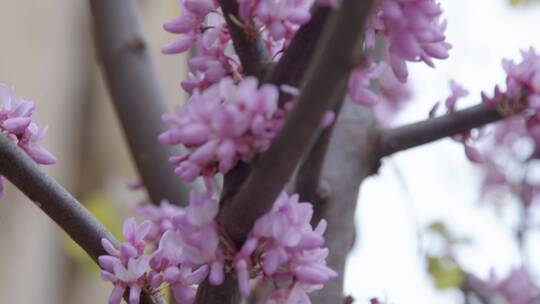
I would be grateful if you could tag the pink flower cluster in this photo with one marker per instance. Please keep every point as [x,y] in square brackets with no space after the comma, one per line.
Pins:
[522,81]
[280,18]
[184,246]
[510,152]
[283,247]
[16,122]
[182,242]
[224,124]
[413,29]
[211,38]
[126,267]
[389,94]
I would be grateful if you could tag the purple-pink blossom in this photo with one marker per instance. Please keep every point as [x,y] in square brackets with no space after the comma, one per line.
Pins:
[126,266]
[223,125]
[516,288]
[287,249]
[18,123]
[414,31]
[280,18]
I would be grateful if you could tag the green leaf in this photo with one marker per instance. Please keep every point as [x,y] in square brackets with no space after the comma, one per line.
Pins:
[445,273]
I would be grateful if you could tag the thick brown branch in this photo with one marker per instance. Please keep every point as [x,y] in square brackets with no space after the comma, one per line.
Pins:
[55,201]
[347,164]
[334,59]
[135,93]
[416,134]
[250,50]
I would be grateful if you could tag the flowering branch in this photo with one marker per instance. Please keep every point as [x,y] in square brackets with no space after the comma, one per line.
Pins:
[135,94]
[250,50]
[419,133]
[55,201]
[270,174]
[292,66]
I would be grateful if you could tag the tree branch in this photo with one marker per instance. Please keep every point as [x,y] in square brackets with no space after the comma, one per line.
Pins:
[347,164]
[293,64]
[132,84]
[250,50]
[53,199]
[333,61]
[56,202]
[423,132]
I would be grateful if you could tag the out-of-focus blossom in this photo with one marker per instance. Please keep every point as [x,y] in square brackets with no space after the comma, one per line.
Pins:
[516,288]
[359,82]
[225,124]
[393,96]
[280,18]
[414,31]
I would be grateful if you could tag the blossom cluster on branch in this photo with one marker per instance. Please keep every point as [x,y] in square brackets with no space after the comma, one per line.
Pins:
[18,122]
[180,247]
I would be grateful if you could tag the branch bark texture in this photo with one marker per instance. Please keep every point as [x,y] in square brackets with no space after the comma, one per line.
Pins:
[333,61]
[64,209]
[135,93]
[53,199]
[416,134]
[250,50]
[347,164]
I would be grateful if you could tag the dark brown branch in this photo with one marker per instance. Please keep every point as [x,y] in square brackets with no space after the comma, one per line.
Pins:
[416,134]
[250,50]
[333,61]
[56,202]
[136,95]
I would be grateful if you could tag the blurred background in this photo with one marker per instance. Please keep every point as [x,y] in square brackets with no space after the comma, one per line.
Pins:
[47,55]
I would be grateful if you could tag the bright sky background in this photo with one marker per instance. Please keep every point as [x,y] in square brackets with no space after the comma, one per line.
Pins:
[436,182]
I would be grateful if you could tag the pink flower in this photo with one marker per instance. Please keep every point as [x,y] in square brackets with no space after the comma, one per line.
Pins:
[413,30]
[288,250]
[16,124]
[126,267]
[15,114]
[280,18]
[225,124]
[160,216]
[359,82]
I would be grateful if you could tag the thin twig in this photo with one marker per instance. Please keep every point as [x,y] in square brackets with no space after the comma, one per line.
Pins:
[423,132]
[135,93]
[250,50]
